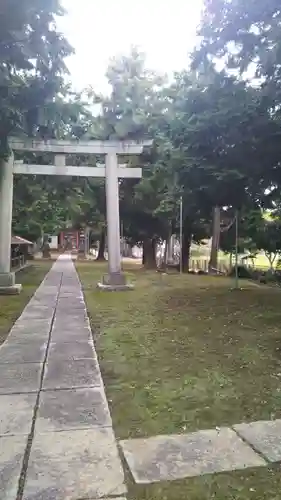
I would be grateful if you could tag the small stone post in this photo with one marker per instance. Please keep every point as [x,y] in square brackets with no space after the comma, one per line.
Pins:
[7,278]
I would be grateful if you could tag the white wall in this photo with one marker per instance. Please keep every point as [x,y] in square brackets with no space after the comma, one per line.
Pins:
[54,242]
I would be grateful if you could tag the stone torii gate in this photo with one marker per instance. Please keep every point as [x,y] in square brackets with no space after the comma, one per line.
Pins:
[115,279]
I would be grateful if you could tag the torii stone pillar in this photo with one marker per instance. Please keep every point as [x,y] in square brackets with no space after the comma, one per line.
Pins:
[115,276]
[7,278]
[115,279]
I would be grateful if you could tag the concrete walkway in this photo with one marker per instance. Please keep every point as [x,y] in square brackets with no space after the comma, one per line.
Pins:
[56,437]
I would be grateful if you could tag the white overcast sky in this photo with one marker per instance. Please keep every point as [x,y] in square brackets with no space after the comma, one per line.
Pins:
[101,29]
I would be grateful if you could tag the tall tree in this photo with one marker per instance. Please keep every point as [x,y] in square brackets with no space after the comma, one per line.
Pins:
[133,111]
[32,65]
[246,36]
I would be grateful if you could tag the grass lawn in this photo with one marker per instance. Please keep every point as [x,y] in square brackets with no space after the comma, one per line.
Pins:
[183,353]
[12,306]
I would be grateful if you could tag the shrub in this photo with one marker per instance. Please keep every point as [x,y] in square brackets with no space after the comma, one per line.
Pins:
[243,272]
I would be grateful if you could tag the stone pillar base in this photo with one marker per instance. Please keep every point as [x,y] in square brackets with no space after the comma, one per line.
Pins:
[8,285]
[114,282]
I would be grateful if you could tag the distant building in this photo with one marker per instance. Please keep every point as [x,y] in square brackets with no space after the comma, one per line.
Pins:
[20,250]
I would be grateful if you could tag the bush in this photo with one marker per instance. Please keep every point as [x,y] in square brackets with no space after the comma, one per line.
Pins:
[277,274]
[243,272]
[273,276]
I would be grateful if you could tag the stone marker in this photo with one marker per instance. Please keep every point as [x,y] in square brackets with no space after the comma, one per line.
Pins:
[72,409]
[166,458]
[12,449]
[264,436]
[16,412]
[74,464]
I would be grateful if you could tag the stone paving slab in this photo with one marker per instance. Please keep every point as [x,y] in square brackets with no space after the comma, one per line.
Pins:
[12,449]
[70,310]
[77,303]
[33,352]
[20,378]
[71,333]
[68,320]
[72,465]
[25,338]
[165,458]
[74,453]
[70,291]
[29,331]
[77,300]
[36,324]
[70,317]
[71,374]
[16,412]
[37,311]
[264,436]
[71,350]
[72,409]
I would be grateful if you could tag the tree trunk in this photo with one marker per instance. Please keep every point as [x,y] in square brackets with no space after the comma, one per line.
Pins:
[213,262]
[149,253]
[130,251]
[166,252]
[185,254]
[230,261]
[170,248]
[101,246]
[127,250]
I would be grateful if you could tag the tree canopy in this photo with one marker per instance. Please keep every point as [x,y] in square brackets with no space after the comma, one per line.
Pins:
[32,65]
[215,126]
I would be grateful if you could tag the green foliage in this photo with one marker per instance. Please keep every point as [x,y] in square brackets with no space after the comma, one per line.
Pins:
[246,36]
[32,64]
[216,138]
[44,205]
[243,272]
[133,111]
[249,220]
[268,238]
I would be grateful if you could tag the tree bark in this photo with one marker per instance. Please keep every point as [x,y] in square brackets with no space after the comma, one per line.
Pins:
[130,252]
[230,261]
[170,248]
[101,246]
[166,252]
[127,250]
[186,245]
[149,253]
[213,262]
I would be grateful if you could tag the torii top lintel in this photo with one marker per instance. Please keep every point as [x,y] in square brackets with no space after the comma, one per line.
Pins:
[81,147]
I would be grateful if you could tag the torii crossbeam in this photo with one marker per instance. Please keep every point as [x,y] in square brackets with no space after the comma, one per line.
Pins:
[115,280]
